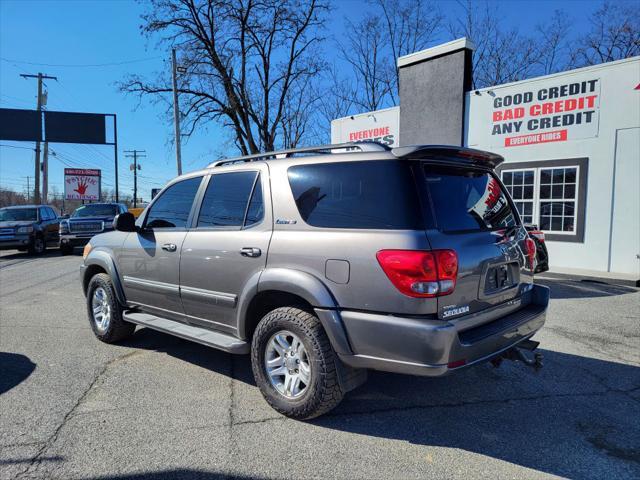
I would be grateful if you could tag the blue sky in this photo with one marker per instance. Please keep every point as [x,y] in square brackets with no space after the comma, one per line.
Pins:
[54,37]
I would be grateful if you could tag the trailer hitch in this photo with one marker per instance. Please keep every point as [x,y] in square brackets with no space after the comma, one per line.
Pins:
[517,354]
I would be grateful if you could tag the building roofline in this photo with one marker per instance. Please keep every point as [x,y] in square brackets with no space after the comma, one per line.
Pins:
[437,51]
[559,74]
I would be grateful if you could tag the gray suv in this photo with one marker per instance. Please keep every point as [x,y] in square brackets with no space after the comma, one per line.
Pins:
[325,262]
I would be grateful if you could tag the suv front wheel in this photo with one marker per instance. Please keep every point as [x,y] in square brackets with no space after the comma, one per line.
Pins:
[105,313]
[294,365]
[37,245]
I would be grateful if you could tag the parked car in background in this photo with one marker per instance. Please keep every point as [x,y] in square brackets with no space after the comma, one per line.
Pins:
[325,262]
[542,255]
[30,228]
[85,222]
[136,211]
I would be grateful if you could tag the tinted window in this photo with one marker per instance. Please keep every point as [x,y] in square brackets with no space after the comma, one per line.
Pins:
[171,209]
[255,212]
[95,210]
[373,194]
[225,201]
[18,214]
[44,214]
[467,200]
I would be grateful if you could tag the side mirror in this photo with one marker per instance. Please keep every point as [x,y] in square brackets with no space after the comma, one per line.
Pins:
[125,222]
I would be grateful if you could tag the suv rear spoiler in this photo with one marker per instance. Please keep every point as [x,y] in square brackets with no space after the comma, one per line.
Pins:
[448,153]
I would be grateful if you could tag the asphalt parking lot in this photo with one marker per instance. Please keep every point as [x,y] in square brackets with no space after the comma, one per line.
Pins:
[160,407]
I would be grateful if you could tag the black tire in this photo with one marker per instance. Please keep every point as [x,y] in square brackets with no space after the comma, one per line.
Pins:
[66,249]
[37,246]
[117,329]
[323,392]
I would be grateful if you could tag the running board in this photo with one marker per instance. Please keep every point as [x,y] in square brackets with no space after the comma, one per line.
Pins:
[203,336]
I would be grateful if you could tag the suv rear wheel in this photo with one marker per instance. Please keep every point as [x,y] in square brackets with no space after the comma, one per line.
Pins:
[294,365]
[105,313]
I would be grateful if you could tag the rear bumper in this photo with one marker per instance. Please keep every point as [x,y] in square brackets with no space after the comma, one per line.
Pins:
[434,347]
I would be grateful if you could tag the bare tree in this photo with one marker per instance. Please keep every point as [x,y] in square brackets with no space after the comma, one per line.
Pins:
[366,53]
[245,60]
[392,28]
[614,35]
[409,26]
[553,43]
[501,56]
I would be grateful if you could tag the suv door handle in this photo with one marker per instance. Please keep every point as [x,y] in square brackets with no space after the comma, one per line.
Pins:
[169,247]
[250,252]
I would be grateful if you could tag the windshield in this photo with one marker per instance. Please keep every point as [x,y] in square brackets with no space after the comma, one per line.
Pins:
[467,200]
[95,211]
[18,214]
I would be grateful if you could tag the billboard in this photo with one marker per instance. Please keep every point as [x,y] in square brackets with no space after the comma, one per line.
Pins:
[380,126]
[556,109]
[20,125]
[81,184]
[60,127]
[67,127]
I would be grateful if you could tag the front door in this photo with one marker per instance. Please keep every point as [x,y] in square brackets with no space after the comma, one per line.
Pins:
[149,261]
[226,247]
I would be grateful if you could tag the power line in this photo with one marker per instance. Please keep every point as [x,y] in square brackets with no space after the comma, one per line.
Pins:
[15,146]
[81,65]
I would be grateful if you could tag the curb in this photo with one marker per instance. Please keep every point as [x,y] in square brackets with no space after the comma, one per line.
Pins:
[627,282]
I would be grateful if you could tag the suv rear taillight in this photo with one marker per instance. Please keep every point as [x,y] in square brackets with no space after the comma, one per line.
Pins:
[530,247]
[419,273]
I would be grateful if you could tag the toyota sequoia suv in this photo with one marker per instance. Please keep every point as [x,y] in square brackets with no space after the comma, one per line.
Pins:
[322,263]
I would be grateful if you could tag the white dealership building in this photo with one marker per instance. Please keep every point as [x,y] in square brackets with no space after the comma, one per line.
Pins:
[571,143]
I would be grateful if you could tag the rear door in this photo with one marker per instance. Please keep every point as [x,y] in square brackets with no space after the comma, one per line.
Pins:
[468,210]
[226,247]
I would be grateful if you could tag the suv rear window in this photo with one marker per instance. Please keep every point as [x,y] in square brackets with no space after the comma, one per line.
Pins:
[365,195]
[467,200]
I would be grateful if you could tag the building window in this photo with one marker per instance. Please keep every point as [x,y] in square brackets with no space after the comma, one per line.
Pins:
[545,196]
[558,199]
[521,184]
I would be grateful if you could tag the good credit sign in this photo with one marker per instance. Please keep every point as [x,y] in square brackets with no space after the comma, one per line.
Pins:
[549,113]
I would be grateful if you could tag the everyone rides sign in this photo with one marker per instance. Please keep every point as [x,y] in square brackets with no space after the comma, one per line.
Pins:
[81,184]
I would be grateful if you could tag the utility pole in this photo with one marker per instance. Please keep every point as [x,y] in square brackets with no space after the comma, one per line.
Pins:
[135,154]
[36,187]
[176,111]
[45,173]
[28,189]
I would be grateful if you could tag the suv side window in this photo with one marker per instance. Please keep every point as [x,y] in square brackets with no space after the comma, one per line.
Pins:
[172,208]
[255,212]
[44,215]
[377,194]
[225,201]
[52,214]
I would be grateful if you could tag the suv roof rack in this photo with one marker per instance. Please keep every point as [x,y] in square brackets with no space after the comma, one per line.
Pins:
[347,147]
[469,155]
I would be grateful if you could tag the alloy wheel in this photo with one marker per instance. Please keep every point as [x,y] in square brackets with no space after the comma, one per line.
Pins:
[287,364]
